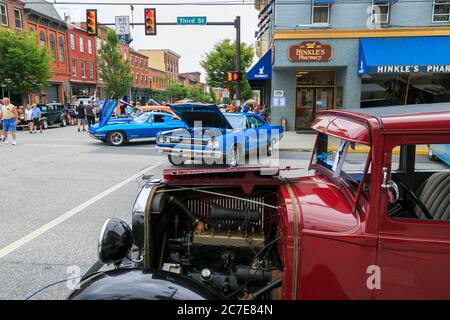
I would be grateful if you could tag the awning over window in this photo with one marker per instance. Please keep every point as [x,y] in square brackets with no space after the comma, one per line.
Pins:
[404,55]
[262,70]
[324,1]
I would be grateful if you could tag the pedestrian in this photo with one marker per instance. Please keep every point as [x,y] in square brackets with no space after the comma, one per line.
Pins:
[90,114]
[36,117]
[81,116]
[29,118]
[123,109]
[10,119]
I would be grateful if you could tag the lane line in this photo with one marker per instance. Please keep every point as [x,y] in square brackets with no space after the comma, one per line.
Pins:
[81,145]
[57,221]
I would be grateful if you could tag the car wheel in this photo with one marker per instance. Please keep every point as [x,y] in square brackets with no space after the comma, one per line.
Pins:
[431,155]
[63,122]
[175,160]
[116,138]
[44,124]
[233,156]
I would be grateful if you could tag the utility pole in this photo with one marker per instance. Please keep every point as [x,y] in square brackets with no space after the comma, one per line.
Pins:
[237,25]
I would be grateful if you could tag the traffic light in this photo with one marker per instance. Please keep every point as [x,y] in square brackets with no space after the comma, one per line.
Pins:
[234,76]
[150,21]
[91,22]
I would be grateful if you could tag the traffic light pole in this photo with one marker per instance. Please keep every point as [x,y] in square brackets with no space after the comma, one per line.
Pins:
[236,24]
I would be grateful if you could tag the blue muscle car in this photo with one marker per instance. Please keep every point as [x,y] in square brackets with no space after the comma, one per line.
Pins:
[439,152]
[216,137]
[144,127]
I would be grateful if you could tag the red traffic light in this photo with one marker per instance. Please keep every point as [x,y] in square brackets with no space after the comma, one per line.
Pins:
[234,76]
[91,22]
[150,21]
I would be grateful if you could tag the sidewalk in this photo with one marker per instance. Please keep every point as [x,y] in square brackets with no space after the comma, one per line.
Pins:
[304,142]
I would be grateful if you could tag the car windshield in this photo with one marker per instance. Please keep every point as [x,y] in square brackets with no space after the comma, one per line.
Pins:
[236,120]
[347,160]
[142,118]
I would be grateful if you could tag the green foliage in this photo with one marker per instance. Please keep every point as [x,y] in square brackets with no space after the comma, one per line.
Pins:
[222,59]
[24,67]
[177,91]
[115,73]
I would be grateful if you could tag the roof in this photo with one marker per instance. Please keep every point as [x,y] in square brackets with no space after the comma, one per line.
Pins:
[359,125]
[43,7]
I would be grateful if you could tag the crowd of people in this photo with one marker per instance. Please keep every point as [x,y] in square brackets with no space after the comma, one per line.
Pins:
[263,111]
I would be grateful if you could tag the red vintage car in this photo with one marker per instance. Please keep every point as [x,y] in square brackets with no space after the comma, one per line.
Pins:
[370,222]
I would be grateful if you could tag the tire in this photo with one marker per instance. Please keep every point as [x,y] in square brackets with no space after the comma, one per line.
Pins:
[63,122]
[44,124]
[233,157]
[175,160]
[116,138]
[431,155]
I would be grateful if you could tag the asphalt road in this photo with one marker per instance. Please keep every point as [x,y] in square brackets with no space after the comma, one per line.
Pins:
[56,190]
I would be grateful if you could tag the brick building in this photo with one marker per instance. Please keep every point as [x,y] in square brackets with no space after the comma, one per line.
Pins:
[41,17]
[140,91]
[164,59]
[11,14]
[158,79]
[83,61]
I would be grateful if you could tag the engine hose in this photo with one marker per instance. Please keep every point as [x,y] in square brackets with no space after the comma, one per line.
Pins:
[269,287]
[184,208]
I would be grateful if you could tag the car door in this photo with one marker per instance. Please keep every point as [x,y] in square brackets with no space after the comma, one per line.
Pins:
[155,124]
[413,253]
[251,133]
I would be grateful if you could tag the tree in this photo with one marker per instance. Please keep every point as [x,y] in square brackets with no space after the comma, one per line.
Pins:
[222,59]
[24,67]
[115,73]
[177,91]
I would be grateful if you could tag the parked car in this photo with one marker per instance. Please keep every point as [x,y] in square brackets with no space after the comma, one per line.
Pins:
[52,114]
[439,152]
[223,137]
[145,127]
[377,228]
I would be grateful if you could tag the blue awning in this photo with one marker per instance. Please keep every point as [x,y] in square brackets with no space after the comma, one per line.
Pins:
[324,1]
[262,70]
[404,55]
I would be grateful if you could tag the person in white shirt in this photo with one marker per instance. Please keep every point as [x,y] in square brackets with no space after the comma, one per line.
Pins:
[29,118]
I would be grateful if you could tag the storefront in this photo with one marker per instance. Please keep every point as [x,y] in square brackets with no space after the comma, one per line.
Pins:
[310,75]
[259,77]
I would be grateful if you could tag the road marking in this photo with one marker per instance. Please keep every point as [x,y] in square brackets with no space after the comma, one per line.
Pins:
[83,145]
[48,226]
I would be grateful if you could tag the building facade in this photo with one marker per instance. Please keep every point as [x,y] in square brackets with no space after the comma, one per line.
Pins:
[41,17]
[158,79]
[83,62]
[164,59]
[12,15]
[327,54]
[140,90]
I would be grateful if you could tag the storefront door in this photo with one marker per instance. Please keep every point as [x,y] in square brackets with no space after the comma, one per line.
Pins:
[310,100]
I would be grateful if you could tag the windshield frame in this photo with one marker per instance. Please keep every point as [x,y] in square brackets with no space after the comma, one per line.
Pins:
[343,179]
[236,115]
[143,115]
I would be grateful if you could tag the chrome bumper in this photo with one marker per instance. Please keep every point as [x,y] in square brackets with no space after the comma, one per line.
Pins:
[188,153]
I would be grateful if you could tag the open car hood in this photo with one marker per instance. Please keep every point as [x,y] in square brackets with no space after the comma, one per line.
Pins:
[208,114]
[107,111]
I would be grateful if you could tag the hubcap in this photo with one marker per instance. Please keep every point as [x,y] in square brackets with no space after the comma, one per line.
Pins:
[116,138]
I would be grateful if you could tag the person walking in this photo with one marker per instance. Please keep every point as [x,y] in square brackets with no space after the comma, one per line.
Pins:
[81,116]
[90,114]
[29,118]
[10,119]
[36,117]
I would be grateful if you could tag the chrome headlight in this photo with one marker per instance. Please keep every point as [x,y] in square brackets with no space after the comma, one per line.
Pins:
[115,241]
[167,140]
[161,139]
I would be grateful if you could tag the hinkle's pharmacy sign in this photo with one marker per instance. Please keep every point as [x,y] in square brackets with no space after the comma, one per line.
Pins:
[412,69]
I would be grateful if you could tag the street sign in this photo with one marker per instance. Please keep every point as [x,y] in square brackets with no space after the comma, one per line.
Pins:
[278,93]
[191,20]
[122,25]
[225,93]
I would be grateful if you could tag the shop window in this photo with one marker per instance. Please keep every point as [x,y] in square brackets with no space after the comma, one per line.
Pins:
[320,14]
[18,18]
[53,47]
[380,12]
[379,90]
[61,50]
[81,44]
[74,67]
[441,11]
[42,40]
[315,78]
[72,41]
[83,69]
[3,15]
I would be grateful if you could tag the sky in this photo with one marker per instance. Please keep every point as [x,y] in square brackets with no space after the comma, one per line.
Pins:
[191,42]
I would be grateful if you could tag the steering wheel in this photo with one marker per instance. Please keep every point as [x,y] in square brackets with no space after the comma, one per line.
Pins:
[413,196]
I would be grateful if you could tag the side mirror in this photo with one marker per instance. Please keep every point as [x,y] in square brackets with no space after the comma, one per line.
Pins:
[391,187]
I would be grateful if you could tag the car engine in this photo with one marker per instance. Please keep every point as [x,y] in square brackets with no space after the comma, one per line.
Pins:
[219,237]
